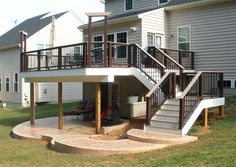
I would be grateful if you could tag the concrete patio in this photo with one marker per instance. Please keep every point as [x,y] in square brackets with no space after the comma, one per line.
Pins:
[78,136]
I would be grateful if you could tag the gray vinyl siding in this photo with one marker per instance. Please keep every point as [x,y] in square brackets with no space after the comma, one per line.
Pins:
[117,6]
[213,36]
[10,64]
[154,23]
[133,36]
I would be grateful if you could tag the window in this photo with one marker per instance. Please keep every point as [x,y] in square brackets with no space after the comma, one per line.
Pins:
[121,50]
[128,5]
[0,83]
[163,1]
[154,39]
[7,82]
[15,83]
[227,84]
[184,38]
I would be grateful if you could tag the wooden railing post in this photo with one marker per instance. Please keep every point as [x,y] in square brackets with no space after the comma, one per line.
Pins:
[59,57]
[173,85]
[148,110]
[110,54]
[39,59]
[130,55]
[221,84]
[179,57]
[181,113]
[85,54]
[181,78]
[192,61]
[201,81]
[134,55]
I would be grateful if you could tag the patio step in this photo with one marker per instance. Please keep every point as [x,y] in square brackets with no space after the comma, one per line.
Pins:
[157,137]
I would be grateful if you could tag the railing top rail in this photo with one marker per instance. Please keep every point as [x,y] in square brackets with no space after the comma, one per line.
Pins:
[46,49]
[158,84]
[168,57]
[177,50]
[149,56]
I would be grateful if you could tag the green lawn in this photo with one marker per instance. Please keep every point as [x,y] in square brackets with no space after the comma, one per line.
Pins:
[216,147]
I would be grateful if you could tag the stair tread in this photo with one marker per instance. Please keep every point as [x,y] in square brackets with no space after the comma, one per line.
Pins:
[163,109]
[166,115]
[166,121]
[161,127]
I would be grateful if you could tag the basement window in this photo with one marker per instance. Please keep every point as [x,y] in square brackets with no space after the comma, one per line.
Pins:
[7,82]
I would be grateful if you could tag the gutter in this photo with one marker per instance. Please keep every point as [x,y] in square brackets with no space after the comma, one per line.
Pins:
[111,22]
[10,47]
[194,4]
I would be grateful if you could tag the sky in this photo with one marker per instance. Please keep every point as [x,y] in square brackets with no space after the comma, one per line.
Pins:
[13,12]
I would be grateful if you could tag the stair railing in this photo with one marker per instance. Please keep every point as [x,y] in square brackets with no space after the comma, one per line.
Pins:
[170,64]
[150,66]
[163,90]
[203,85]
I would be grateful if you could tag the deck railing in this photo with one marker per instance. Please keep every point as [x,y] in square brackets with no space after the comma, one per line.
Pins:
[162,91]
[184,58]
[203,85]
[141,59]
[170,64]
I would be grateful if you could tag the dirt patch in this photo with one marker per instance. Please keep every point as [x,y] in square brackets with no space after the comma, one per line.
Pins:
[204,130]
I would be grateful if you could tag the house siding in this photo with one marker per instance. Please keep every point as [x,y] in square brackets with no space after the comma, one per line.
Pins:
[153,22]
[133,36]
[117,6]
[213,34]
[9,64]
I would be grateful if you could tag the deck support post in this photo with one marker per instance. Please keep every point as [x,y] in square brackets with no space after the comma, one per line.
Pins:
[60,115]
[221,111]
[98,108]
[32,104]
[205,118]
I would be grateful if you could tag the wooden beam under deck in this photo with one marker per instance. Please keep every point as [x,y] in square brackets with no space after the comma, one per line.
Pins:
[98,108]
[32,104]
[60,115]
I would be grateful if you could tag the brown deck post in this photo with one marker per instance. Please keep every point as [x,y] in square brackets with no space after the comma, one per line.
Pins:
[221,111]
[60,115]
[98,108]
[205,118]
[105,41]
[89,41]
[32,104]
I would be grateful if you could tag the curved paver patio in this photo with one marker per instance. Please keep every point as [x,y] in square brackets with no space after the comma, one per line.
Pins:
[76,137]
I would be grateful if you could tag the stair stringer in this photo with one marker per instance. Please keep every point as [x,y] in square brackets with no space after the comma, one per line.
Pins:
[207,103]
[141,77]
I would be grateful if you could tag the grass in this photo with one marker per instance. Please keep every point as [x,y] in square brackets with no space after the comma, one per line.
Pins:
[215,147]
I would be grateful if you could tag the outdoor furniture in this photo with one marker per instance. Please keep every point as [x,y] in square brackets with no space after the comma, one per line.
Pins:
[84,108]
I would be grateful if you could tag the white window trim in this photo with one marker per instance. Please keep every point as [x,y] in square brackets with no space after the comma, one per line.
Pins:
[162,3]
[8,75]
[156,34]
[190,38]
[14,81]
[125,6]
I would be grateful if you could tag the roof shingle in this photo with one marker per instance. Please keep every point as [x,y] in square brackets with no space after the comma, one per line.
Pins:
[31,26]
